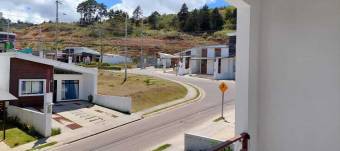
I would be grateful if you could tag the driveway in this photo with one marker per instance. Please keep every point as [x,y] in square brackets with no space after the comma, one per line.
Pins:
[80,114]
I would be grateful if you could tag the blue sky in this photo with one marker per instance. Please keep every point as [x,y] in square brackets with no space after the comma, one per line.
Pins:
[216,3]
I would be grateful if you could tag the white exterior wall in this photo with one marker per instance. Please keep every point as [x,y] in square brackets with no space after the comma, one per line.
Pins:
[211,52]
[115,59]
[196,52]
[34,118]
[227,69]
[4,72]
[42,122]
[195,66]
[225,52]
[167,62]
[210,66]
[87,85]
[123,104]
[288,74]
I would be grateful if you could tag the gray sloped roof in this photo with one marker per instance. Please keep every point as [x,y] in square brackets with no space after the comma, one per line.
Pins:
[6,96]
[80,50]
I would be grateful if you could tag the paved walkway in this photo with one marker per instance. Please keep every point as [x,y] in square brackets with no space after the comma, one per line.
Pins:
[74,115]
[208,129]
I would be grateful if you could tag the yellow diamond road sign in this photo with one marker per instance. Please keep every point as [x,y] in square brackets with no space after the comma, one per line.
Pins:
[223,87]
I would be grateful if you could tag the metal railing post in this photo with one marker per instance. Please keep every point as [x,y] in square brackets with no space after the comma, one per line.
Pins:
[245,140]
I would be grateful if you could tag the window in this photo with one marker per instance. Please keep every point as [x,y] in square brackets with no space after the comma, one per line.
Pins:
[219,65]
[34,87]
[204,52]
[218,52]
[70,89]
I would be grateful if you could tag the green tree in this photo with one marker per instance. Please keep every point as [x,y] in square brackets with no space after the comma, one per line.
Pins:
[137,16]
[153,20]
[231,17]
[193,24]
[182,16]
[91,12]
[204,17]
[117,21]
[217,21]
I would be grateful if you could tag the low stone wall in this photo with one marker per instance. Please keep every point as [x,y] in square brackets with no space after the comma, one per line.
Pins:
[123,104]
[40,121]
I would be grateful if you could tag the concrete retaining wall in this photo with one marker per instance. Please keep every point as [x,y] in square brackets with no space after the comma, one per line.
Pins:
[42,122]
[37,119]
[123,104]
[199,143]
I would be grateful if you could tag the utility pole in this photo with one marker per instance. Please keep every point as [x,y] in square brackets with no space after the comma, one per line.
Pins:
[141,46]
[125,60]
[57,2]
[40,42]
[100,30]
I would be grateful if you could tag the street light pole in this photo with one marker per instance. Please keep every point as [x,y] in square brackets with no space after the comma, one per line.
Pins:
[125,49]
[56,28]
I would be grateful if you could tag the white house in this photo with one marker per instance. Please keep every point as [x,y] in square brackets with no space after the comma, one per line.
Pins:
[215,60]
[80,54]
[288,74]
[29,77]
[166,60]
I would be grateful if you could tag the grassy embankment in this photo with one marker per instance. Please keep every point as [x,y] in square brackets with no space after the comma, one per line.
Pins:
[145,91]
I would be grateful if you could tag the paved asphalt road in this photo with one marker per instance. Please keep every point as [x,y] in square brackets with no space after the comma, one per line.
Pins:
[151,131]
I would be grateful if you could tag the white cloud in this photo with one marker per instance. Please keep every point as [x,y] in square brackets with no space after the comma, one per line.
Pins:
[37,11]
[162,6]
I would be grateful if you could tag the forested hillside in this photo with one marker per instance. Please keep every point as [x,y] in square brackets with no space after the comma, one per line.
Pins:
[101,28]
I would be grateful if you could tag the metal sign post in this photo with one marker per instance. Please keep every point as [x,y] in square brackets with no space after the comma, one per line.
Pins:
[223,88]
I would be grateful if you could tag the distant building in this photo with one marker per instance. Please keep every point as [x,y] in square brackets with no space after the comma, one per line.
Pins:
[7,41]
[80,54]
[215,60]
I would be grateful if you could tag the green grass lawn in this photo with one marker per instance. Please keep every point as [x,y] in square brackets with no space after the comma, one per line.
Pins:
[16,137]
[145,91]
[163,147]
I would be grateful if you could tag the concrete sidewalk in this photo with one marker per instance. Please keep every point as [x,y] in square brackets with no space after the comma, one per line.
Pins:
[78,134]
[217,130]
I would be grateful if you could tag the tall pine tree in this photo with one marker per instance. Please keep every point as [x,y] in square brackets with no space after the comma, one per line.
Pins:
[231,17]
[153,20]
[216,20]
[137,15]
[204,16]
[182,16]
[192,24]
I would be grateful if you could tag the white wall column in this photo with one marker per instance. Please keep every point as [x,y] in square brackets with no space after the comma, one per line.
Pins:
[48,98]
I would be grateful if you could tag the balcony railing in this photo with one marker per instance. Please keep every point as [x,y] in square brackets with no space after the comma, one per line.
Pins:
[243,138]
